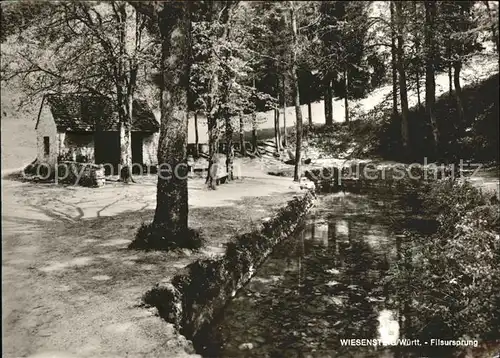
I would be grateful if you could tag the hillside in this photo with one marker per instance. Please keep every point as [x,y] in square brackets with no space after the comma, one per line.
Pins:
[377,134]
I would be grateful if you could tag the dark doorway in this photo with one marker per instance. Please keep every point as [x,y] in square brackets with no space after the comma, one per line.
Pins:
[137,156]
[107,151]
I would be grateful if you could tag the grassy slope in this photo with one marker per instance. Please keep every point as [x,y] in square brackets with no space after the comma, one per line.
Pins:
[376,135]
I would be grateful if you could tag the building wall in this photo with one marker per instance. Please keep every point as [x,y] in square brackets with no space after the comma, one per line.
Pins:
[72,145]
[46,127]
[150,149]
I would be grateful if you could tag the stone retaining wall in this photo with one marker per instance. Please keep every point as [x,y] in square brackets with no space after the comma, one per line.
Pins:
[194,297]
[400,177]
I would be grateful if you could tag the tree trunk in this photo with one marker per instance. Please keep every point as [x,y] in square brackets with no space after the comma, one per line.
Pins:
[394,64]
[450,79]
[494,25]
[285,136]
[430,82]
[213,144]
[417,79]
[229,145]
[346,97]
[276,139]
[254,134]
[124,169]
[279,146]
[217,97]
[172,191]
[328,101]
[126,144]
[278,130]
[309,113]
[196,136]
[402,78]
[126,74]
[243,149]
[298,111]
[254,129]
[457,66]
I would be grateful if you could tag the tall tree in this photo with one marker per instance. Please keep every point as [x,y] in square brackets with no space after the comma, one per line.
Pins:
[459,33]
[400,24]
[295,84]
[394,62]
[344,29]
[174,21]
[329,35]
[492,13]
[430,61]
[243,149]
[285,135]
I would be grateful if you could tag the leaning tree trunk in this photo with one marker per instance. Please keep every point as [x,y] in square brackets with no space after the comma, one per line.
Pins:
[402,79]
[298,111]
[172,191]
[243,149]
[394,64]
[430,82]
[328,98]
[457,66]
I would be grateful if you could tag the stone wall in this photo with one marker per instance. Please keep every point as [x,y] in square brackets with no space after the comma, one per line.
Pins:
[194,297]
[365,177]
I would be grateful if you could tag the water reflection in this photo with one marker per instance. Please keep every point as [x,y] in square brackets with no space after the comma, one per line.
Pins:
[388,327]
[323,285]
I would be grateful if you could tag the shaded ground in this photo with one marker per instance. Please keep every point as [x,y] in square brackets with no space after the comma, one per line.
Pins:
[69,283]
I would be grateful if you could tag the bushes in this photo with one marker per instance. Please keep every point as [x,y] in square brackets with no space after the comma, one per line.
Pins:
[158,237]
[67,172]
[454,273]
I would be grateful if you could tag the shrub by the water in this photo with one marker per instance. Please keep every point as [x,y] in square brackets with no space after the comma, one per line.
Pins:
[453,275]
[158,237]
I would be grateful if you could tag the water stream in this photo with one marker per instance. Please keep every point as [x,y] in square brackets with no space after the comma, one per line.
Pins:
[323,285]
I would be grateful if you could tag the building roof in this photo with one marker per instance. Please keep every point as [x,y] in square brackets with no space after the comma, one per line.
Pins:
[79,112]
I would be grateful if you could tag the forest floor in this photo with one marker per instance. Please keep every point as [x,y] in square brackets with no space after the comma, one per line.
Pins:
[70,286]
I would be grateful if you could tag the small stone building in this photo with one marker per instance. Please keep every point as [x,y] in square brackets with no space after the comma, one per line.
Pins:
[84,128]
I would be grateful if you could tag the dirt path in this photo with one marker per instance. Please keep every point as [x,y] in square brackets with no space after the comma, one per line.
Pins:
[71,286]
